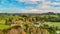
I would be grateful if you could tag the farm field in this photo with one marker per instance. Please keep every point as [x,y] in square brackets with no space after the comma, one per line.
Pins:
[53,23]
[2,27]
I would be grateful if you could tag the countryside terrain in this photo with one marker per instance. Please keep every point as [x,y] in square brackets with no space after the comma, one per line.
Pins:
[45,23]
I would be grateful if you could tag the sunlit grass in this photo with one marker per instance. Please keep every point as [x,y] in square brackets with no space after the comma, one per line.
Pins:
[2,27]
[53,23]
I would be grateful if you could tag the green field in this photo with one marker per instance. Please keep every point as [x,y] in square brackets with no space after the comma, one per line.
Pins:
[2,27]
[53,23]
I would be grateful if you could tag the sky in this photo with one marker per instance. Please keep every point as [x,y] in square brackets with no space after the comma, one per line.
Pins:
[29,6]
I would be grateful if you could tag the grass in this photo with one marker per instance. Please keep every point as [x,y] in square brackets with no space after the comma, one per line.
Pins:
[53,23]
[2,27]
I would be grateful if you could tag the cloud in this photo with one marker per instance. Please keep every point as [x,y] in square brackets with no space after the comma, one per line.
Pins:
[19,4]
[30,6]
[55,5]
[28,0]
[28,11]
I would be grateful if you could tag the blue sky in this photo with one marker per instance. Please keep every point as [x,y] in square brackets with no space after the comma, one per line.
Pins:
[28,5]
[16,4]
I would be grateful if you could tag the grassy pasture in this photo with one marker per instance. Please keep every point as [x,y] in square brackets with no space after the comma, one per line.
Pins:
[53,23]
[2,27]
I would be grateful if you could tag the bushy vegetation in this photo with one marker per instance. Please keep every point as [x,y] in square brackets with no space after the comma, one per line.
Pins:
[27,23]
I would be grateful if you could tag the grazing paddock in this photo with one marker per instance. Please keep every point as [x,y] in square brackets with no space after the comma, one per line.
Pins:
[53,23]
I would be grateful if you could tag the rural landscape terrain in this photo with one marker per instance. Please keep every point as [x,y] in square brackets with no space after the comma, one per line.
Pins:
[44,23]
